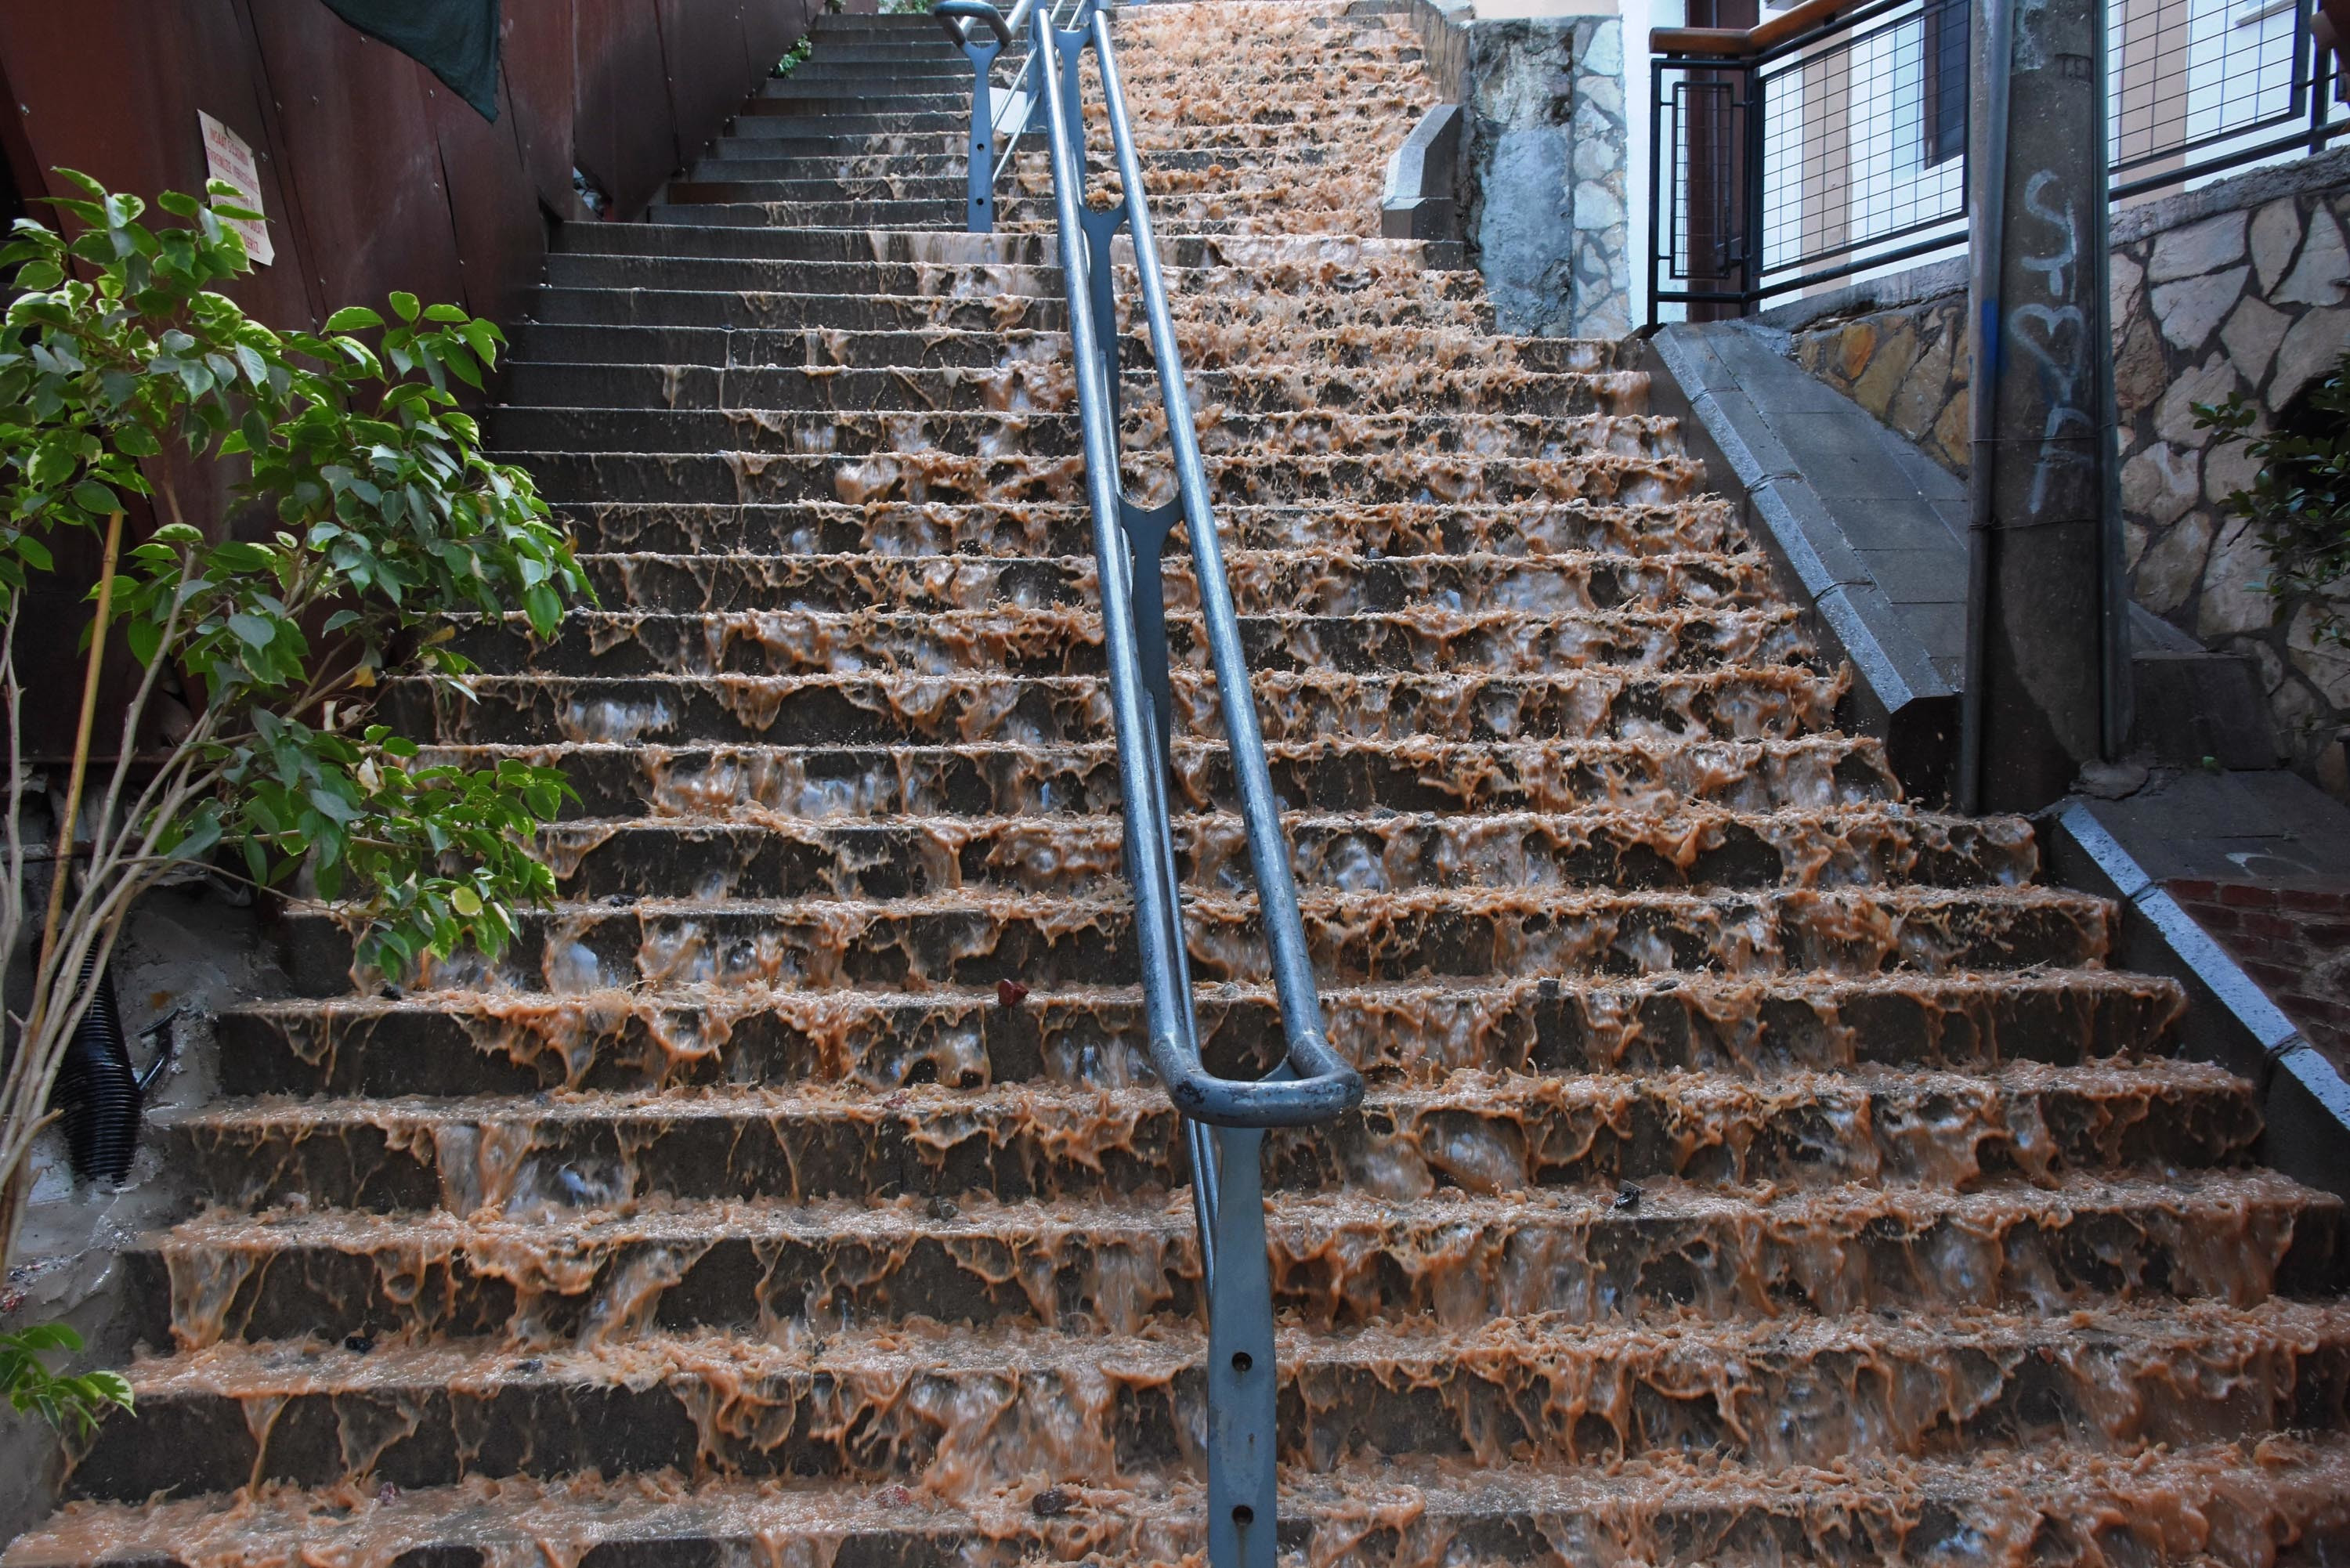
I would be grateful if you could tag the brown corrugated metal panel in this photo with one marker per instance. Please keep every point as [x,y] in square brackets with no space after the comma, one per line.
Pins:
[112,87]
[373,175]
[501,237]
[366,165]
[708,73]
[535,58]
[768,31]
[624,128]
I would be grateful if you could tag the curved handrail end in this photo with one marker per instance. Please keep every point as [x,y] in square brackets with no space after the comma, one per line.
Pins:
[947,10]
[1329,1090]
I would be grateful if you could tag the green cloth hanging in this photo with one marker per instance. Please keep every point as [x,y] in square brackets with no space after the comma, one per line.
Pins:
[456,40]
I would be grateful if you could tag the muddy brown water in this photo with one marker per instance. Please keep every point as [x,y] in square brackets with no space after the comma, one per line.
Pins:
[1756,1166]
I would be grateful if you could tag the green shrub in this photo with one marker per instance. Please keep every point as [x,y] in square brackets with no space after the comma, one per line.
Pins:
[2298,503]
[363,514]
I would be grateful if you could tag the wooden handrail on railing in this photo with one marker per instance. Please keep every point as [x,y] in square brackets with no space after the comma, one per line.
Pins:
[1736,43]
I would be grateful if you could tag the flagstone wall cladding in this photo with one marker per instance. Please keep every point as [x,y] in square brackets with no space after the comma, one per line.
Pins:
[2243,286]
[1543,203]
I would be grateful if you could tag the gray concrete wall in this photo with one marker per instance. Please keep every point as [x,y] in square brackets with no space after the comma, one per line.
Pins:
[1543,196]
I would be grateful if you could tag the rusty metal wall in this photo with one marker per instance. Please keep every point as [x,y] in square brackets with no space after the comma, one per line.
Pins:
[374,176]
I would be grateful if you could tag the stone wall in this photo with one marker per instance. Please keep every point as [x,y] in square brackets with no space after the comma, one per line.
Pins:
[1541,173]
[2243,286]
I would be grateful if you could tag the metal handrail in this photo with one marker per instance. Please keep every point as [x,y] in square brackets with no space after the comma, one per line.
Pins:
[1224,1118]
[948,11]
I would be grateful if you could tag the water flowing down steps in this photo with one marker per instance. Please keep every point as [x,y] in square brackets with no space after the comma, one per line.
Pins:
[1754,1167]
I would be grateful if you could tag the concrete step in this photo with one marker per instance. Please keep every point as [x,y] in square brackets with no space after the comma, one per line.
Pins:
[1306,581]
[762,119]
[621,779]
[1016,214]
[890,857]
[775,323]
[677,206]
[1540,529]
[824,67]
[752,161]
[944,85]
[1055,711]
[780,98]
[1337,1262]
[909,47]
[1476,1132]
[982,330]
[1038,385]
[1176,201]
[832,143]
[468,1043]
[989,435]
[1206,291]
[1352,262]
[1067,641]
[1380,478]
[844,1412]
[2277,1495]
[1046,942]
[792,192]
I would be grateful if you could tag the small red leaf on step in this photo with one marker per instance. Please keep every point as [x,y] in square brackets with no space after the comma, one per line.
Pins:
[1010,993]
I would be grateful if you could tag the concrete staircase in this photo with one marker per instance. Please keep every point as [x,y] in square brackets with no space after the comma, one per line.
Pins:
[1754,1168]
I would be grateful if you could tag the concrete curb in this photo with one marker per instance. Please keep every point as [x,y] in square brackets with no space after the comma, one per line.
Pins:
[1742,405]
[1417,201]
[2305,1103]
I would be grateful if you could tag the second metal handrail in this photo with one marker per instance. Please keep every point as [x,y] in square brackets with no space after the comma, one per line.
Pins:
[1224,1118]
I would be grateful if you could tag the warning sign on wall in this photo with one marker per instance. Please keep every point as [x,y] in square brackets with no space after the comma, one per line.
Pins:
[226,157]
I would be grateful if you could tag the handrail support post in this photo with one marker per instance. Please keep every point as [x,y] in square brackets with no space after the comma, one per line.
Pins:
[1101,234]
[1243,1520]
[1146,535]
[979,216]
[981,49]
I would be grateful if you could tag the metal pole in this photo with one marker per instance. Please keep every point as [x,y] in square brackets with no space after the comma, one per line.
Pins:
[2047,658]
[1243,1495]
[1660,234]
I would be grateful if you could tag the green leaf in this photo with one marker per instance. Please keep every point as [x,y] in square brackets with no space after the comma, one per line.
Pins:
[144,638]
[404,302]
[42,1337]
[465,900]
[107,1388]
[544,608]
[332,806]
[37,276]
[95,498]
[444,313]
[251,629]
[353,318]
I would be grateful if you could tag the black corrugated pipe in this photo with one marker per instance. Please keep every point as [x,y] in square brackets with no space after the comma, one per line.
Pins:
[98,1098]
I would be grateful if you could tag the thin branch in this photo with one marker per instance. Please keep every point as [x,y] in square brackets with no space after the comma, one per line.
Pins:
[62,868]
[131,715]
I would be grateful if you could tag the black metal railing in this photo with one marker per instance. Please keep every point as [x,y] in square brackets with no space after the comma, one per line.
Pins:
[1790,157]
[1224,1118]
